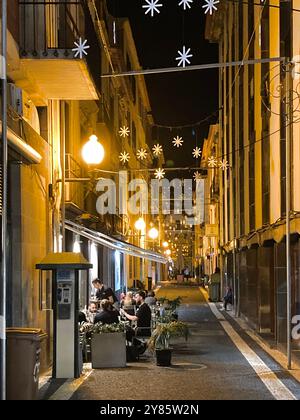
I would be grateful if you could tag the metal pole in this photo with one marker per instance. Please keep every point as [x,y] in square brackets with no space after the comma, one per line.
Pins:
[288,211]
[4,198]
[63,169]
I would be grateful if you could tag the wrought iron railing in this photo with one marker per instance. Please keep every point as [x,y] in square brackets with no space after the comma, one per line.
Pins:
[48,29]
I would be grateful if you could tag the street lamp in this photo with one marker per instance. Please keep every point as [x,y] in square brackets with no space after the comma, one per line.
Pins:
[140,224]
[93,152]
[153,234]
[166,244]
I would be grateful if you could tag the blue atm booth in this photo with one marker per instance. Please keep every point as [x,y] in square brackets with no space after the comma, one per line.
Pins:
[65,269]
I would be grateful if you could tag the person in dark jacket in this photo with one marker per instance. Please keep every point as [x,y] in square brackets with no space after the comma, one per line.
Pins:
[108,314]
[103,292]
[228,298]
[143,322]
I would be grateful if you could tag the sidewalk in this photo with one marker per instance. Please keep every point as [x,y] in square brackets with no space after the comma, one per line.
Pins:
[267,343]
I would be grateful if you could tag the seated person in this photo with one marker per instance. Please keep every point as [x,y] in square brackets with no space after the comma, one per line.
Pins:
[228,298]
[92,312]
[128,303]
[151,299]
[108,314]
[81,317]
[142,318]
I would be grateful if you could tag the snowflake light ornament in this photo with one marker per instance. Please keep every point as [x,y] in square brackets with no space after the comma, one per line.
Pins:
[157,150]
[197,153]
[210,6]
[152,6]
[160,173]
[224,165]
[178,142]
[124,132]
[212,162]
[124,157]
[81,48]
[184,56]
[142,154]
[197,176]
[185,4]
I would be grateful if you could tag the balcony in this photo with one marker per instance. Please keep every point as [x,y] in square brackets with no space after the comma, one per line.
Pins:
[74,191]
[48,31]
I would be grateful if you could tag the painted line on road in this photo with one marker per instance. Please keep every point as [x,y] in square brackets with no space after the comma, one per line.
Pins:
[68,389]
[265,374]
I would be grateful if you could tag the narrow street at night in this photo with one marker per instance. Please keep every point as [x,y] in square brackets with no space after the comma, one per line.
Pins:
[149,202]
[208,367]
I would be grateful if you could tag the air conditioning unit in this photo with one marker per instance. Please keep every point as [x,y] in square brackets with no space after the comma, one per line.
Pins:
[15,98]
[22,105]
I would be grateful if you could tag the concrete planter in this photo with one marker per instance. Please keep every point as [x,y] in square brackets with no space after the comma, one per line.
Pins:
[109,350]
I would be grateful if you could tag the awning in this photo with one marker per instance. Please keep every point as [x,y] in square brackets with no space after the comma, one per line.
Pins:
[114,244]
[21,146]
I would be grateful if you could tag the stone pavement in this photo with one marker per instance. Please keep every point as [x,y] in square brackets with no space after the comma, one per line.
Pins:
[212,365]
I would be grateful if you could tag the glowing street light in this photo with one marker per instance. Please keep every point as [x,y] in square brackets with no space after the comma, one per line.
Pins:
[153,234]
[168,252]
[166,244]
[140,224]
[93,152]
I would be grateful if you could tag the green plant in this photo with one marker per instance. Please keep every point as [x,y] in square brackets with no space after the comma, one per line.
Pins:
[161,336]
[173,304]
[108,328]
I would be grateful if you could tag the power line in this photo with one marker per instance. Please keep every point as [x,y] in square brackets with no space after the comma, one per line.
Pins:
[164,70]
[263,4]
[193,125]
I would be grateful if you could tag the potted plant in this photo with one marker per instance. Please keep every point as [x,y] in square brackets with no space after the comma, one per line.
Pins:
[173,305]
[108,346]
[161,337]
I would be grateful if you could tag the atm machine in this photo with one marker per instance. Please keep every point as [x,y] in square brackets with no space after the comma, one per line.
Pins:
[65,269]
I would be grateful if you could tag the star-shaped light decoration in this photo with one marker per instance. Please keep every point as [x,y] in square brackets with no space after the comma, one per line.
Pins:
[184,56]
[142,154]
[124,157]
[160,173]
[81,48]
[197,176]
[224,165]
[185,4]
[212,162]
[152,6]
[157,150]
[178,141]
[197,152]
[210,6]
[124,132]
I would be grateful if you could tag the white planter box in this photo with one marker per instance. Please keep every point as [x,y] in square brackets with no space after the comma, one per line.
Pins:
[109,350]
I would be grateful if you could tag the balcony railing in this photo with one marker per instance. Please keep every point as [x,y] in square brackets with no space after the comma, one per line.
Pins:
[74,192]
[48,29]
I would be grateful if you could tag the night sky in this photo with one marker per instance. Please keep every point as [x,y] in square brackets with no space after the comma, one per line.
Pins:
[177,98]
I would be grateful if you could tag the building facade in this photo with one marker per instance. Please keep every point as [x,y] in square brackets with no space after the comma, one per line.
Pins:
[56,102]
[253,128]
[209,247]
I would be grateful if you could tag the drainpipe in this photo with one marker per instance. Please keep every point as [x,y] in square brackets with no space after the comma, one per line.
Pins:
[4,200]
[289,125]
